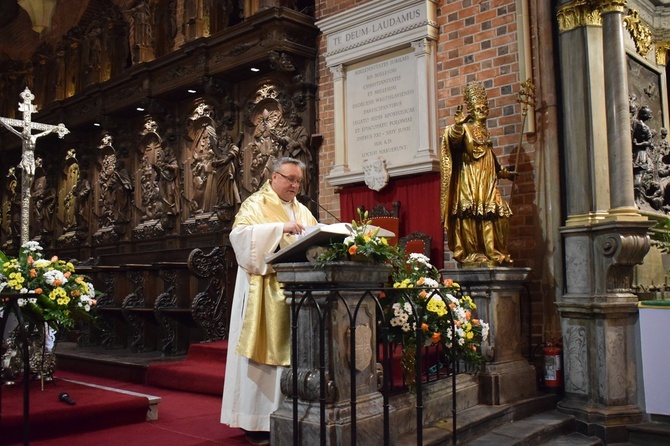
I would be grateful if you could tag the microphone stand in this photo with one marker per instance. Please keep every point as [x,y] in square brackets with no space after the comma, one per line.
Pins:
[305,197]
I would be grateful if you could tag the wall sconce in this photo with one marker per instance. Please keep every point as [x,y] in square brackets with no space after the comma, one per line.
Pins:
[40,12]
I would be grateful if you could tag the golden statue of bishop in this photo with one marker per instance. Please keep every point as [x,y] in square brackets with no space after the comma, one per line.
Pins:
[474,214]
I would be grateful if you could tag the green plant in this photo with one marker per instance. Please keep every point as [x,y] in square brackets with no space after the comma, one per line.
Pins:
[52,290]
[363,243]
[660,235]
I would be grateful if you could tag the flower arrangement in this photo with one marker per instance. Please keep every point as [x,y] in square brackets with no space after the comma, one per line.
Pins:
[363,243]
[422,306]
[54,293]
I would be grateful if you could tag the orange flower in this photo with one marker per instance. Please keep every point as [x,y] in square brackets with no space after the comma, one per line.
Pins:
[33,273]
[436,337]
[353,249]
[452,306]
[382,295]
[54,259]
[38,290]
[448,282]
[475,321]
[423,294]
[420,281]
[424,326]
[57,282]
[468,315]
[29,260]
[67,274]
[75,293]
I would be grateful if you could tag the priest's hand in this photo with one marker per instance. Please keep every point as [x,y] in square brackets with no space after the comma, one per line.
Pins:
[293,228]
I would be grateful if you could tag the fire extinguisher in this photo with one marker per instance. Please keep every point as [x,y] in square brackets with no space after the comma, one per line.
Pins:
[553,368]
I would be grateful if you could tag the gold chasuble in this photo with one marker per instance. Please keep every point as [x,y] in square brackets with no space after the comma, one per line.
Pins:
[265,336]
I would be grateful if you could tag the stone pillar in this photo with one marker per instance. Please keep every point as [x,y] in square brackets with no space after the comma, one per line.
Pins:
[333,311]
[598,310]
[584,118]
[341,164]
[507,375]
[424,53]
[598,315]
[618,114]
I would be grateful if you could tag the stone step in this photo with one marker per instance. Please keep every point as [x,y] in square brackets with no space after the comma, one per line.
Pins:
[574,439]
[533,430]
[476,421]
[649,434]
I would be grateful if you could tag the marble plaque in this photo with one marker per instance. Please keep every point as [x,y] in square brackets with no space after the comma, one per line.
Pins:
[381,110]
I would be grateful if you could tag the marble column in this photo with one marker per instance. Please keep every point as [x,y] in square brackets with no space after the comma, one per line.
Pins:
[584,118]
[598,309]
[618,114]
[507,376]
[341,164]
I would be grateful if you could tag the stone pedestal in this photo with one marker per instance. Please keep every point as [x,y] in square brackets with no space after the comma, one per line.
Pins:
[598,315]
[333,327]
[507,376]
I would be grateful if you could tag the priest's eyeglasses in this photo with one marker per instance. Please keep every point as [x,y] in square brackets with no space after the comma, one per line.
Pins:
[291,180]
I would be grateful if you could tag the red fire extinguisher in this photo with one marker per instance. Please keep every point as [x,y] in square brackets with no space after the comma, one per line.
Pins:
[553,368]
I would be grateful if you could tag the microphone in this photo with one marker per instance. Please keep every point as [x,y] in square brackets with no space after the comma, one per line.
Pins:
[305,197]
[64,397]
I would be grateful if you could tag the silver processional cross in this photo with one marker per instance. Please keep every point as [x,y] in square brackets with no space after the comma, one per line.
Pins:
[28,152]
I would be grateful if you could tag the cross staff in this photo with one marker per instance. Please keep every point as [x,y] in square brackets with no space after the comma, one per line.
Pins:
[28,152]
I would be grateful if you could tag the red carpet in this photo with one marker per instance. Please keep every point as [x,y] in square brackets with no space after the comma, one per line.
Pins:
[184,419]
[95,409]
[201,371]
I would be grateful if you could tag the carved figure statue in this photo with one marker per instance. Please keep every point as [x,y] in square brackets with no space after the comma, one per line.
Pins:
[115,194]
[141,21]
[261,152]
[294,143]
[149,192]
[167,169]
[67,208]
[200,170]
[474,213]
[642,137]
[226,174]
[82,194]
[11,207]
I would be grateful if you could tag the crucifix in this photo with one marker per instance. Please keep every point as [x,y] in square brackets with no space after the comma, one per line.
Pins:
[28,152]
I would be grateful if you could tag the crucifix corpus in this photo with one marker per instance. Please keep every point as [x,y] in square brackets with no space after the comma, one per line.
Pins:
[28,152]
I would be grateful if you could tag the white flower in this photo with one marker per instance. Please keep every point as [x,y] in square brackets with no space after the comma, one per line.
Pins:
[430,283]
[51,276]
[485,331]
[419,258]
[22,302]
[32,246]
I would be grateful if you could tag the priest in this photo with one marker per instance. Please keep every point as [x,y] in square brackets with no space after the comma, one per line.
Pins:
[259,335]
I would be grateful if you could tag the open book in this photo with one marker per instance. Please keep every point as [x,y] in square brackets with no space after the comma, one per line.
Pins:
[319,235]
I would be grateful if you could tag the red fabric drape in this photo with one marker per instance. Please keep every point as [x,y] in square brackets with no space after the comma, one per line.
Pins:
[419,199]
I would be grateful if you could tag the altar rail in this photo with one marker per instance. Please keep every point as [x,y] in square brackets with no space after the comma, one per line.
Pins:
[164,305]
[330,376]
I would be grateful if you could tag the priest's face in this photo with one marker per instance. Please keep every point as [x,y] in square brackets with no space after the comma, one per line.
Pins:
[286,181]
